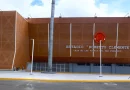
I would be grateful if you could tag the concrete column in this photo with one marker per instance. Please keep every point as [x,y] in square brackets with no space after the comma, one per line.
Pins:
[91,68]
[113,66]
[70,67]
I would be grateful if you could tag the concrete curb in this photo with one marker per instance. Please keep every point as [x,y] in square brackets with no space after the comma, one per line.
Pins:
[47,80]
[95,74]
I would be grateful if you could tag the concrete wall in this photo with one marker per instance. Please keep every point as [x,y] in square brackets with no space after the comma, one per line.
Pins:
[7,38]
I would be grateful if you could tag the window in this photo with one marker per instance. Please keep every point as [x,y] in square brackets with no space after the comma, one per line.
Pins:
[96,64]
[81,64]
[119,64]
[87,64]
[106,64]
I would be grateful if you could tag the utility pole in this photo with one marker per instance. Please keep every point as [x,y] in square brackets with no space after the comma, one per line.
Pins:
[50,50]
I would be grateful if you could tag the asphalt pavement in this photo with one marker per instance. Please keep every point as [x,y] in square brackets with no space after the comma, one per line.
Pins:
[40,85]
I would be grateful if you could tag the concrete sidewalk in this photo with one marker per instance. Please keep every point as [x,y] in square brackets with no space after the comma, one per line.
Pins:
[62,77]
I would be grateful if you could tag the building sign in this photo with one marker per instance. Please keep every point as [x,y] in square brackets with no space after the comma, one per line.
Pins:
[99,36]
[87,48]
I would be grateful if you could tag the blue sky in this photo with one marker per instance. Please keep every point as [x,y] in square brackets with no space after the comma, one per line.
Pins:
[68,8]
[121,5]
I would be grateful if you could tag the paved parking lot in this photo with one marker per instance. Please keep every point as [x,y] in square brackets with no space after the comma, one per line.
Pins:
[37,85]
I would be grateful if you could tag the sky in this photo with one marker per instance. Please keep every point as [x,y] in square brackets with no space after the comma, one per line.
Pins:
[68,8]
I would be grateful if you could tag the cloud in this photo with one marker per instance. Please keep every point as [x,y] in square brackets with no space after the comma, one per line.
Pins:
[88,8]
[22,6]
[80,8]
[83,8]
[37,2]
[67,8]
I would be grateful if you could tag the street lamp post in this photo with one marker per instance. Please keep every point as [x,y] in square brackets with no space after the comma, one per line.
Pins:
[100,59]
[99,38]
[32,56]
[50,49]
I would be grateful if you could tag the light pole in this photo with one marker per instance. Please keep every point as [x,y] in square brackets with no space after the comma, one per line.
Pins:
[32,56]
[100,59]
[50,49]
[99,38]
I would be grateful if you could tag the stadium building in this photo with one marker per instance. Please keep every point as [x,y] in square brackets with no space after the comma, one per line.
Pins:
[75,49]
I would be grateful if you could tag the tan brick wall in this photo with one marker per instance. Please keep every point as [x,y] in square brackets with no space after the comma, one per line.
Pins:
[7,38]
[22,42]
